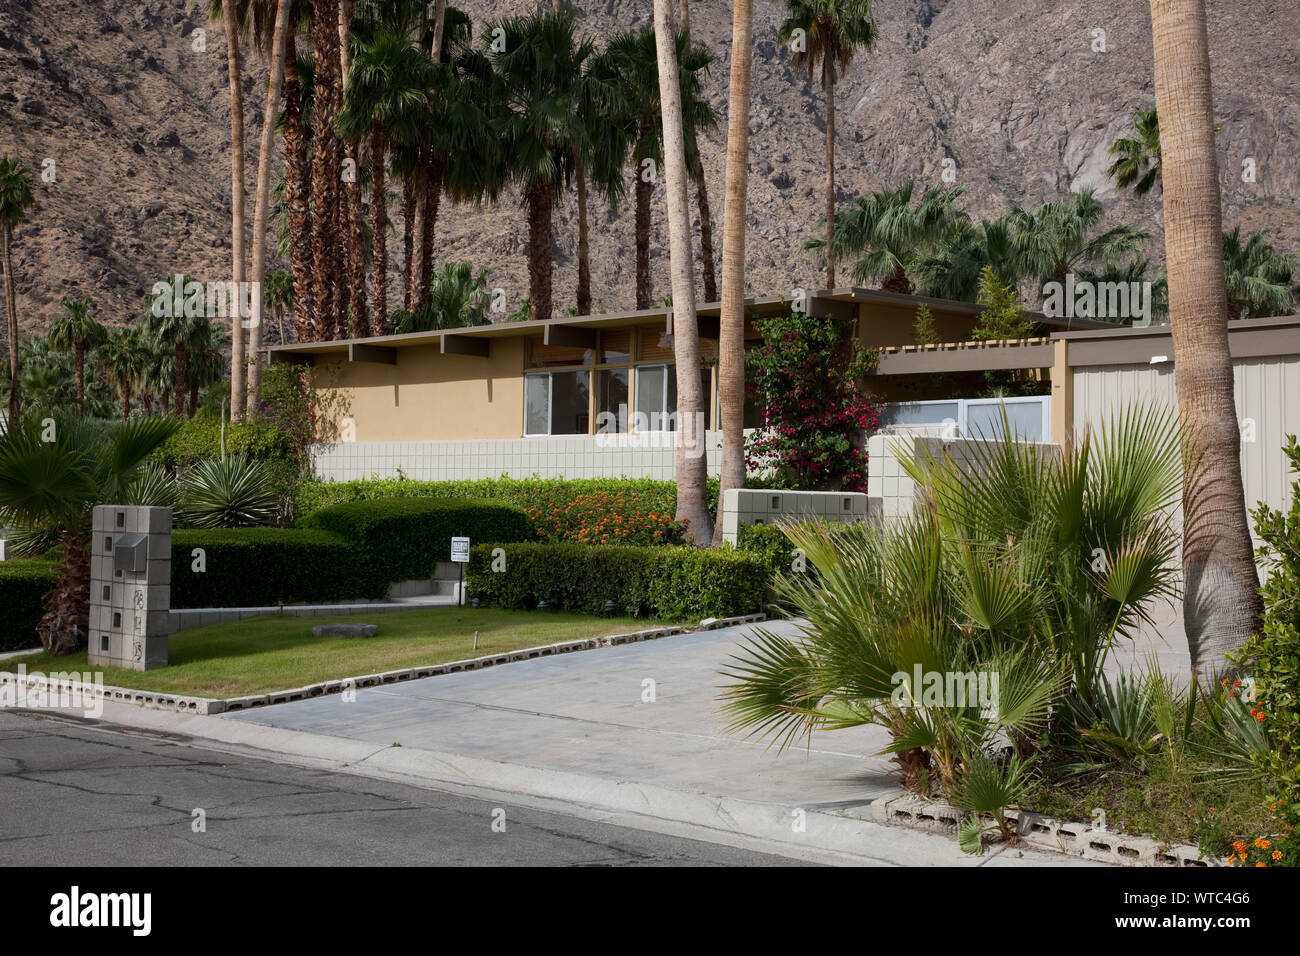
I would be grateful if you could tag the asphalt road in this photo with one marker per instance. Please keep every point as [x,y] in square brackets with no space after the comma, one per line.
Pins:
[76,794]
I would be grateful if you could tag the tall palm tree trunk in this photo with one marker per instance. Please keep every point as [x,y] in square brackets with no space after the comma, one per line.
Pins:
[66,622]
[541,203]
[297,174]
[691,466]
[125,392]
[326,169]
[261,205]
[642,190]
[828,83]
[79,364]
[179,372]
[433,185]
[409,204]
[421,191]
[11,309]
[379,231]
[238,368]
[584,240]
[706,224]
[731,346]
[360,327]
[1221,605]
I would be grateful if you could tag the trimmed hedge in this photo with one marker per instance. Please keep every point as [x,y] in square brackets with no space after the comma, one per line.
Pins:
[659,581]
[23,586]
[402,539]
[255,567]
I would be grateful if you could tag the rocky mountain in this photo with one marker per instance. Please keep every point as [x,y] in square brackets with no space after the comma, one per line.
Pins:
[1024,96]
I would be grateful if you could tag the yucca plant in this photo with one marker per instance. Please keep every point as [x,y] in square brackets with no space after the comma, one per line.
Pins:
[231,492]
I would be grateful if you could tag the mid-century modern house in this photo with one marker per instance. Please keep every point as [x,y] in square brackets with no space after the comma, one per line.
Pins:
[581,396]
[591,396]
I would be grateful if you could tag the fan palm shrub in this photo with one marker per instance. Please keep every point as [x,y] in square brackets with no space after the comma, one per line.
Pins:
[229,492]
[1020,570]
[53,471]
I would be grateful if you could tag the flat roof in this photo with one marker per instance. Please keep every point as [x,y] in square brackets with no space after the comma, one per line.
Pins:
[819,301]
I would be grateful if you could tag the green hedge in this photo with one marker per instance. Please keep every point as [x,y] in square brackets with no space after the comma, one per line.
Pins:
[255,567]
[199,439]
[668,582]
[404,538]
[23,586]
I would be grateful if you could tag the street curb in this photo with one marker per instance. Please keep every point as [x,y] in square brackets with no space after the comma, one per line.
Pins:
[211,706]
[1079,840]
[848,834]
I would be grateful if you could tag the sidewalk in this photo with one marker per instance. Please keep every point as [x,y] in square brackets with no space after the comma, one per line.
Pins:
[572,732]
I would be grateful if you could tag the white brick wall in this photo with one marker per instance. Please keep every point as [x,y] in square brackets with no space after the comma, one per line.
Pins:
[767,506]
[575,456]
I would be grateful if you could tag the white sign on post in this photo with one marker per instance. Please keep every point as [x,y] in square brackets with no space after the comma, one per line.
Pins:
[460,550]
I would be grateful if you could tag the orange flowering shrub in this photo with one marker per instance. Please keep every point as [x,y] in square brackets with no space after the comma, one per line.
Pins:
[603,517]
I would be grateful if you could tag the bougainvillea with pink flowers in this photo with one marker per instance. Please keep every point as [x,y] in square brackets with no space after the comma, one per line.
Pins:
[813,415]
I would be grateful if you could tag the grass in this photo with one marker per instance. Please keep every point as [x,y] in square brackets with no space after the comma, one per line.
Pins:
[262,654]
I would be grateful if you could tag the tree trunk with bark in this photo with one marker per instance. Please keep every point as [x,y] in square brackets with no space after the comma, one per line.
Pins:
[297,182]
[828,84]
[1221,602]
[379,231]
[731,346]
[238,360]
[706,228]
[409,209]
[66,621]
[433,186]
[326,169]
[691,466]
[11,307]
[261,205]
[584,241]
[360,327]
[79,364]
[642,191]
[540,206]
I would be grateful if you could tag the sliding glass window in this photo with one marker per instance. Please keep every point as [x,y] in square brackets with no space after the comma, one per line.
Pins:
[556,403]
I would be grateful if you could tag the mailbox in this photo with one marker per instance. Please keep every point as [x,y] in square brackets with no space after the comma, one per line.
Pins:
[131,553]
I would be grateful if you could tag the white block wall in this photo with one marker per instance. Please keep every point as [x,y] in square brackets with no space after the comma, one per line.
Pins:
[766,506]
[576,456]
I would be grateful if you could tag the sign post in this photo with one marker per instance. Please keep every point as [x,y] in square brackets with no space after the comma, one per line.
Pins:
[460,556]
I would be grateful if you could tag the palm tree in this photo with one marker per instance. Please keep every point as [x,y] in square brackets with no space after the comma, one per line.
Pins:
[298,83]
[123,361]
[834,30]
[633,59]
[178,333]
[1221,606]
[77,329]
[951,269]
[890,235]
[15,199]
[327,171]
[50,487]
[538,78]
[280,298]
[389,95]
[731,346]
[234,16]
[1052,239]
[279,33]
[1258,277]
[600,157]
[1137,157]
[691,468]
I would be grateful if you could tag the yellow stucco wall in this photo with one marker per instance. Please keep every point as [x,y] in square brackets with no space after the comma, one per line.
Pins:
[429,396]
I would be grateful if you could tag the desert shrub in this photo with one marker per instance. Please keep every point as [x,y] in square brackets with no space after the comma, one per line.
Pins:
[667,582]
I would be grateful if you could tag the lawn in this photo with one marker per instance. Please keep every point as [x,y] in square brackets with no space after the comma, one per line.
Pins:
[263,654]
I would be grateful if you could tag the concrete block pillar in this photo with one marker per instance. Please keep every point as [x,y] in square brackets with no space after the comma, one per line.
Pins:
[130,586]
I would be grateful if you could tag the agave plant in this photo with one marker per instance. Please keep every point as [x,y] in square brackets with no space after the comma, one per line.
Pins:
[231,492]
[53,471]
